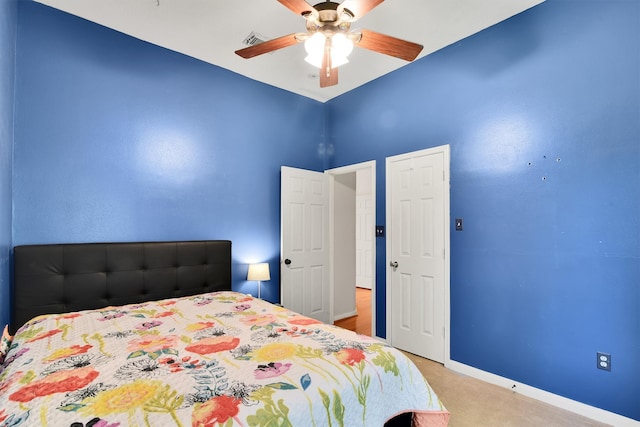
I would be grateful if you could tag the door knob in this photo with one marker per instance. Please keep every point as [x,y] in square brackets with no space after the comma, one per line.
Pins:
[394,264]
[287,261]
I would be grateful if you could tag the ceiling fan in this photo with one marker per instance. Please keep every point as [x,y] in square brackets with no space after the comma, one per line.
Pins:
[329,39]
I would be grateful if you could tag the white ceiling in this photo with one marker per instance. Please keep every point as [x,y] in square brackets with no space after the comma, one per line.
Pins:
[212,30]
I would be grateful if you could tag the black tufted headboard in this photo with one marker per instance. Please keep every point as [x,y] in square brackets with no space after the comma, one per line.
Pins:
[63,278]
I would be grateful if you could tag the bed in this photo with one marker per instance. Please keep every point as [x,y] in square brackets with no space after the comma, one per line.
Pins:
[151,334]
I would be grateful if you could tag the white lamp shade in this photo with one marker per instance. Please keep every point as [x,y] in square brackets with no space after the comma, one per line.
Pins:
[315,49]
[259,272]
[341,47]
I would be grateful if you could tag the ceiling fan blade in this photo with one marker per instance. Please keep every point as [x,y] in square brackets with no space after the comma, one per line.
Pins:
[329,79]
[388,45]
[328,74]
[297,6]
[268,46]
[359,8]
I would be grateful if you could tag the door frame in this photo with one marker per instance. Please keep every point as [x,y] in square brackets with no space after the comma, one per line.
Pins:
[445,149]
[332,173]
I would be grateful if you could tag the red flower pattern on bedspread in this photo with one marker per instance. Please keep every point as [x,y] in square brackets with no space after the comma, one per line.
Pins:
[58,382]
[303,321]
[213,345]
[164,314]
[68,316]
[216,410]
[47,334]
[350,356]
[258,320]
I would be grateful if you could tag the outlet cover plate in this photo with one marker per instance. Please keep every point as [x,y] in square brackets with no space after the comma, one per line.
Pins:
[604,361]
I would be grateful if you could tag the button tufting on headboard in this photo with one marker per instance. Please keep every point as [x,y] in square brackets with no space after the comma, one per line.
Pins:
[84,276]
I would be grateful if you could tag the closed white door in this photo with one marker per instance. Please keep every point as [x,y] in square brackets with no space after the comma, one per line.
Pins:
[304,267]
[417,217]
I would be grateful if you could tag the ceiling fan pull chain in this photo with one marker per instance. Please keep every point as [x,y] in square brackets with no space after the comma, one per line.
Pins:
[327,57]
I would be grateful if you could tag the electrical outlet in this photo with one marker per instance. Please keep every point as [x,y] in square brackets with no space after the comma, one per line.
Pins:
[604,361]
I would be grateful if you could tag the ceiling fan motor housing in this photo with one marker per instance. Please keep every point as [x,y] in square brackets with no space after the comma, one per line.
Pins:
[329,19]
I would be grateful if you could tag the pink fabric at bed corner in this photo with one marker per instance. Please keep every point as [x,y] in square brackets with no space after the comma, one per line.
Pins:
[431,419]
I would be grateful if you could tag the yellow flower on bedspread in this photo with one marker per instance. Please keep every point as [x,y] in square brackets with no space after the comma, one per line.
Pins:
[61,353]
[194,327]
[123,399]
[275,352]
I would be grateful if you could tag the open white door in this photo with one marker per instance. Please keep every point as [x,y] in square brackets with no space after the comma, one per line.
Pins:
[304,267]
[365,223]
[417,250]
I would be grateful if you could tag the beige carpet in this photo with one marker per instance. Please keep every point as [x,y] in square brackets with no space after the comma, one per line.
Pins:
[475,403]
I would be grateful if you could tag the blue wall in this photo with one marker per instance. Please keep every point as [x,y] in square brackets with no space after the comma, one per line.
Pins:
[116,139]
[8,23]
[119,140]
[542,113]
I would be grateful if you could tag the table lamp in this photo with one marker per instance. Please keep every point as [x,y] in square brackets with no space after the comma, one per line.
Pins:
[259,272]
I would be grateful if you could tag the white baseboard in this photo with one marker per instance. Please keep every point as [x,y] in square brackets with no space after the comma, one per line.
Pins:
[585,410]
[344,315]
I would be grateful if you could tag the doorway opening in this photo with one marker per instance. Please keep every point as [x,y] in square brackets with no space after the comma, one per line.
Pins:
[352,218]
[362,321]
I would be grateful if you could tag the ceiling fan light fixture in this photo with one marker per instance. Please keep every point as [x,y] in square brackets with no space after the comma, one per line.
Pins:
[329,39]
[314,45]
[341,47]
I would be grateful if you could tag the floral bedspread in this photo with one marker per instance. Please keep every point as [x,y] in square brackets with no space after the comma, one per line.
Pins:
[218,359]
